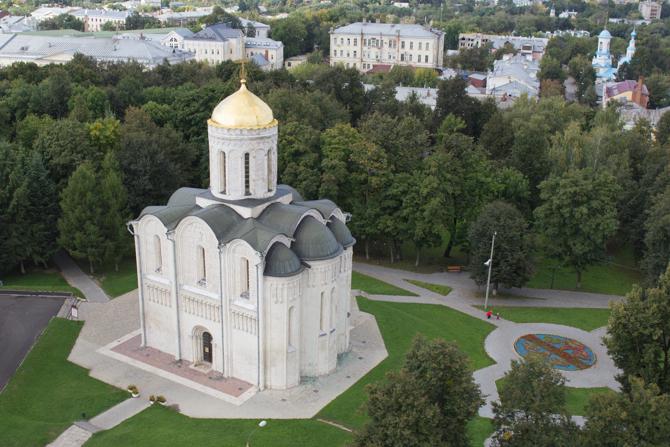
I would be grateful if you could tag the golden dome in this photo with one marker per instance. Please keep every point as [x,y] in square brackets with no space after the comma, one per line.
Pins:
[243,110]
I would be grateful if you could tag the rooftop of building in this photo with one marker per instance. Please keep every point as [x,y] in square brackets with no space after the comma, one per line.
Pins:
[618,88]
[255,24]
[101,13]
[388,29]
[262,42]
[218,32]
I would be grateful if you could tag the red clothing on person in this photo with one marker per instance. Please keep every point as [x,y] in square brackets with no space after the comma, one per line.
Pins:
[489,314]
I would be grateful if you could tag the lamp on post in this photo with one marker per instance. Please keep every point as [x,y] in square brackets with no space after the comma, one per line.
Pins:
[261,424]
[489,264]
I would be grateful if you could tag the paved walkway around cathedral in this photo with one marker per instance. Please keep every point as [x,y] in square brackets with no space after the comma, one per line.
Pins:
[499,344]
[77,278]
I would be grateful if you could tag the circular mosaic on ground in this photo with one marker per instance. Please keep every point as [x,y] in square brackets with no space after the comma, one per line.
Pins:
[561,352]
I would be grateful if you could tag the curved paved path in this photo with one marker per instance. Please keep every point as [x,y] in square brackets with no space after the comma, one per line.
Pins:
[499,344]
[77,278]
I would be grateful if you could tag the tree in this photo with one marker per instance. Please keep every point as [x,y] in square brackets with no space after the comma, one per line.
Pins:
[62,21]
[640,417]
[638,335]
[531,411]
[8,156]
[428,403]
[657,236]
[219,15]
[81,225]
[140,21]
[115,212]
[292,32]
[512,253]
[577,216]
[299,159]
[663,129]
[475,59]
[550,69]
[32,211]
[581,70]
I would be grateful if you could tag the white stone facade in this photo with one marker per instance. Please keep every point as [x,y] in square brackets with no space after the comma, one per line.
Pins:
[362,45]
[214,287]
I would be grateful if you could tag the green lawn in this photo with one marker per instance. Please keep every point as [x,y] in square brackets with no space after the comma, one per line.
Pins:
[437,288]
[39,280]
[48,393]
[479,430]
[399,323]
[615,277]
[160,427]
[112,282]
[586,319]
[374,286]
[576,399]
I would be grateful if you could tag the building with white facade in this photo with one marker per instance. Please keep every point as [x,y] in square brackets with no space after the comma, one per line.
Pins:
[46,49]
[602,61]
[650,10]
[527,46]
[262,30]
[246,278]
[94,19]
[513,76]
[364,45]
[219,43]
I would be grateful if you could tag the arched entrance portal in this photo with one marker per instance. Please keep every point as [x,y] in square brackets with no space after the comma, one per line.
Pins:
[203,346]
[207,347]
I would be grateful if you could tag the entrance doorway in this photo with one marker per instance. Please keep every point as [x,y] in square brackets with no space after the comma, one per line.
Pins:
[207,347]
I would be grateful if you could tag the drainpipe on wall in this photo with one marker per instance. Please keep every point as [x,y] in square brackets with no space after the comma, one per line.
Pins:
[223,336]
[260,333]
[140,281]
[175,291]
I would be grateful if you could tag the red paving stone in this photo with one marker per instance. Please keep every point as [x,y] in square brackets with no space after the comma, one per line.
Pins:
[159,359]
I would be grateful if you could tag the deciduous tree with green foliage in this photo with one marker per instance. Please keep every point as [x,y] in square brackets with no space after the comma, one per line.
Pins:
[82,222]
[639,417]
[638,335]
[512,254]
[114,198]
[531,411]
[427,403]
[577,217]
[657,237]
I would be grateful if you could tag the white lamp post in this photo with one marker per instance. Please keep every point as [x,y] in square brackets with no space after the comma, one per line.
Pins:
[261,424]
[489,264]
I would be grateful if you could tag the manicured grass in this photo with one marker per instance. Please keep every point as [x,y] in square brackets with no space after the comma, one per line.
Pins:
[586,319]
[38,280]
[118,283]
[479,430]
[399,323]
[48,393]
[374,286]
[162,427]
[437,288]
[576,399]
[615,277]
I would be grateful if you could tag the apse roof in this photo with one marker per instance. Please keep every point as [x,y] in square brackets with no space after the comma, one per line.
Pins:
[278,224]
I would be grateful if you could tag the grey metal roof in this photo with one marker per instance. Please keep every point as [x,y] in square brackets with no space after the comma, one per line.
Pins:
[184,196]
[388,29]
[259,42]
[324,206]
[284,218]
[220,32]
[341,232]
[281,261]
[314,241]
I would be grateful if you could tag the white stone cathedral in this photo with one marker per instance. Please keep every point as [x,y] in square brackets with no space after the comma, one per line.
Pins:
[245,278]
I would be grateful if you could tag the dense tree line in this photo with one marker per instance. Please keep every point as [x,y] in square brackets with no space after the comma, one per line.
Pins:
[407,173]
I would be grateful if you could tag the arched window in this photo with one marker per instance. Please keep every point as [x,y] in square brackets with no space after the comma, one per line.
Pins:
[158,256]
[291,328]
[324,309]
[244,278]
[247,189]
[269,160]
[222,172]
[202,266]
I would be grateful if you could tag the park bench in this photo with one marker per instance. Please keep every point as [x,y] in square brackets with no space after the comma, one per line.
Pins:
[454,268]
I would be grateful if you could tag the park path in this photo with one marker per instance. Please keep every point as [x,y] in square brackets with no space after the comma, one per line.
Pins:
[466,294]
[77,278]
[465,290]
[80,432]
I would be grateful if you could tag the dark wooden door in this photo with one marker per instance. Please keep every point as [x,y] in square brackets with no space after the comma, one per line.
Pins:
[207,347]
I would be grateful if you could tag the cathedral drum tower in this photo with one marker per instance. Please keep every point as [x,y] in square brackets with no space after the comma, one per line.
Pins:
[245,278]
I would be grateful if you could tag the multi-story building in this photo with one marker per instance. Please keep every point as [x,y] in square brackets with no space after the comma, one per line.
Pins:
[364,45]
[218,43]
[262,30]
[95,19]
[650,10]
[513,76]
[528,46]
